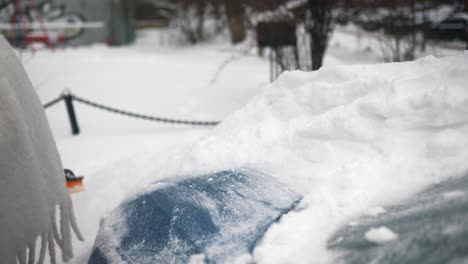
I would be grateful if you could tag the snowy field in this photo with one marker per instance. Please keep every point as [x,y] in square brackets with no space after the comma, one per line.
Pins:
[347,138]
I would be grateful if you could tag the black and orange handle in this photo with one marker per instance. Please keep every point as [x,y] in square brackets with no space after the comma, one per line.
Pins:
[74,183]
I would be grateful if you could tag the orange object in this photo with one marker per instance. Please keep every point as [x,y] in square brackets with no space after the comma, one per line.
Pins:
[75,186]
[74,183]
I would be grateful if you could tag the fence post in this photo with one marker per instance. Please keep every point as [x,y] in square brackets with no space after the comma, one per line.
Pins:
[68,98]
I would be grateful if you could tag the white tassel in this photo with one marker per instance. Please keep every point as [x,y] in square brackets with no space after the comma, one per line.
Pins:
[32,253]
[22,256]
[36,166]
[44,239]
[67,222]
[52,237]
[55,231]
[51,245]
[66,243]
[74,224]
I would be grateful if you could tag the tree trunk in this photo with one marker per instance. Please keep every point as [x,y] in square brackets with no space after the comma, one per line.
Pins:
[218,16]
[201,20]
[425,30]
[121,28]
[319,22]
[466,29]
[235,15]
[397,54]
[318,49]
[410,54]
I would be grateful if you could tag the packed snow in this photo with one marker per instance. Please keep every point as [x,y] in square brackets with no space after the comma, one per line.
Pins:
[376,211]
[381,235]
[454,194]
[348,138]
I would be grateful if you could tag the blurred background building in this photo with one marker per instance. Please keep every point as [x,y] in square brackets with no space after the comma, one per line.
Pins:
[404,27]
[71,22]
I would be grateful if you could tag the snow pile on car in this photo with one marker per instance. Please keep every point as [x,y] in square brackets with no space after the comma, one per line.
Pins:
[348,138]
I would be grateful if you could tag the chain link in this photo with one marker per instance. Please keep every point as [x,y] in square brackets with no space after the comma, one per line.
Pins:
[53,102]
[142,116]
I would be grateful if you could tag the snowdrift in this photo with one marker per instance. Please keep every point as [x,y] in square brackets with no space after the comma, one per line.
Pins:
[32,183]
[348,138]
[214,218]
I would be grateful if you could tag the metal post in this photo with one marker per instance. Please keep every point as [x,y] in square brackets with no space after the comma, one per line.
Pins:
[68,98]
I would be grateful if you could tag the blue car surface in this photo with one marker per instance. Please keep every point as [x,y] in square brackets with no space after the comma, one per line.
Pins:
[216,218]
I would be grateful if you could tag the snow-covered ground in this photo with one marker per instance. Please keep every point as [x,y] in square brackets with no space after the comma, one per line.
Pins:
[348,138]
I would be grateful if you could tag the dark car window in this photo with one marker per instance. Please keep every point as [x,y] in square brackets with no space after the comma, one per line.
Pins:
[453,23]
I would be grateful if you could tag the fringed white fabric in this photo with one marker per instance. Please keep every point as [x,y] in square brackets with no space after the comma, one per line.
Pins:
[32,183]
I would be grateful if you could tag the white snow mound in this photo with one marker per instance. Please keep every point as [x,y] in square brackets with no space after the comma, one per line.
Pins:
[376,211]
[32,182]
[348,138]
[380,235]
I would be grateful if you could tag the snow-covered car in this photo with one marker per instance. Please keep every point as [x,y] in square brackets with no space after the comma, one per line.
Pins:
[430,227]
[213,218]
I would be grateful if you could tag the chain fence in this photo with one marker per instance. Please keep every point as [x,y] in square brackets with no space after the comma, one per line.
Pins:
[143,116]
[53,102]
[69,98]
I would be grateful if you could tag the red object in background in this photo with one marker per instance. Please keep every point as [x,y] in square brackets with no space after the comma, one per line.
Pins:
[24,41]
[46,40]
[22,37]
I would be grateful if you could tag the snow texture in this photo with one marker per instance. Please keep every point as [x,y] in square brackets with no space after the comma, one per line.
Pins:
[426,228]
[32,183]
[380,235]
[214,218]
[376,211]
